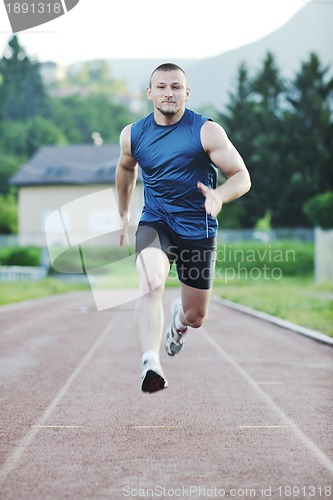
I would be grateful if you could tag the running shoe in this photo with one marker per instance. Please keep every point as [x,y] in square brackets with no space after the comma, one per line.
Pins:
[152,377]
[174,339]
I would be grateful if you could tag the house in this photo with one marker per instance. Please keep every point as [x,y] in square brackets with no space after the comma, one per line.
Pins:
[73,187]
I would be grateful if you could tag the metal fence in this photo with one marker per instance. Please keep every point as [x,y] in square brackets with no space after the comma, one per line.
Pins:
[298,234]
[225,235]
[22,273]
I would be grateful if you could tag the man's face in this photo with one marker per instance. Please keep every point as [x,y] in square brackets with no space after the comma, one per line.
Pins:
[168,91]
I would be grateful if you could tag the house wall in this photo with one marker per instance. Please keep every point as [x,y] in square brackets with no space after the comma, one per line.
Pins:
[82,209]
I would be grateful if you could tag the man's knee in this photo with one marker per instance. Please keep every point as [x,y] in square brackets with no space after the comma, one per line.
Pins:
[153,268]
[152,281]
[195,317]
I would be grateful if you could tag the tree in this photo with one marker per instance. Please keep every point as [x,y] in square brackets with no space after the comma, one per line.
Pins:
[9,164]
[308,132]
[284,132]
[22,93]
[254,119]
[21,139]
[269,86]
[319,210]
[26,137]
[8,213]
[267,168]
[238,123]
[95,77]
[79,116]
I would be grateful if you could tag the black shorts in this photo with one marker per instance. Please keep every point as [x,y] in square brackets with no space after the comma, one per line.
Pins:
[195,259]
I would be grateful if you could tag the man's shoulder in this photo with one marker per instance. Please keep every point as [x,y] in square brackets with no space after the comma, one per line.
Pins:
[194,116]
[143,121]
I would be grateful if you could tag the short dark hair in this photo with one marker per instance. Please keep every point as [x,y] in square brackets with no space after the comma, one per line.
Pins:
[167,67]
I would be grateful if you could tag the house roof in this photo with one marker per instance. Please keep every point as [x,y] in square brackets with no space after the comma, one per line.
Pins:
[78,164]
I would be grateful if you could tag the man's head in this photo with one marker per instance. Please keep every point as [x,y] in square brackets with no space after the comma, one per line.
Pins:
[167,67]
[168,89]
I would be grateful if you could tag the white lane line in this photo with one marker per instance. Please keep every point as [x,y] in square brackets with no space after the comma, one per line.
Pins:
[262,426]
[322,458]
[57,426]
[14,458]
[157,426]
[269,383]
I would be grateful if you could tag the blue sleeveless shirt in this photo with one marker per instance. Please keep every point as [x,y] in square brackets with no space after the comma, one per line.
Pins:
[172,161]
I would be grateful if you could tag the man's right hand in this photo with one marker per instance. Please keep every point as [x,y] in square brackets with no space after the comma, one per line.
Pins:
[125,219]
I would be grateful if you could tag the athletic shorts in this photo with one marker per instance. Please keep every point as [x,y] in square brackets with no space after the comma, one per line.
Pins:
[194,259]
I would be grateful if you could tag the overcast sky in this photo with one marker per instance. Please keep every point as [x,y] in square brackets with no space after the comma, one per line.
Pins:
[145,29]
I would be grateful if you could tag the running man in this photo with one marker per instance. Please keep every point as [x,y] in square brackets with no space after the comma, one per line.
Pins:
[179,153]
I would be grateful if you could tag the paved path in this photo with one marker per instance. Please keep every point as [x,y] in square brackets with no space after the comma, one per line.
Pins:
[248,411]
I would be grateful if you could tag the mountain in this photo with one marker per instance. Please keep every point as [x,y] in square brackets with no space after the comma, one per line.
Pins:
[310,30]
[210,79]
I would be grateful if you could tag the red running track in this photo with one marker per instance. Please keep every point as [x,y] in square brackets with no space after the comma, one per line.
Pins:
[248,411]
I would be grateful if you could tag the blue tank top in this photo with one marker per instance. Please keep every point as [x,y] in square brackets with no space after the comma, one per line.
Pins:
[172,161]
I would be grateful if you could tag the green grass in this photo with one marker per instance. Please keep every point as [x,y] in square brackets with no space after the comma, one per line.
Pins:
[276,278]
[296,299]
[16,291]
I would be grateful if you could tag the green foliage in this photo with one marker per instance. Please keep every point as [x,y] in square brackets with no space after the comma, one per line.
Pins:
[26,137]
[231,215]
[308,141]
[319,210]
[21,256]
[9,164]
[41,131]
[254,260]
[90,100]
[93,77]
[284,132]
[25,115]
[78,117]
[22,93]
[8,213]
[30,118]
[265,222]
[21,139]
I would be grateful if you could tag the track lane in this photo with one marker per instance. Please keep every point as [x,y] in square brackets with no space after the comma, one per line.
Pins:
[102,438]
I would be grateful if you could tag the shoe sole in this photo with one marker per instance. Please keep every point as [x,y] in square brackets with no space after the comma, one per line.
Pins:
[153,382]
[177,349]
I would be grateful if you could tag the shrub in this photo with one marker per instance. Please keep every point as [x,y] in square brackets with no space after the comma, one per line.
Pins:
[22,257]
[319,210]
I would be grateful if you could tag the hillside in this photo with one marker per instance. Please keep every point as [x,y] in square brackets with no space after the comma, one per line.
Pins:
[308,31]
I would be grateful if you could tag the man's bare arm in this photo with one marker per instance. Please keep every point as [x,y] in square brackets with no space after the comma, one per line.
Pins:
[126,175]
[226,157]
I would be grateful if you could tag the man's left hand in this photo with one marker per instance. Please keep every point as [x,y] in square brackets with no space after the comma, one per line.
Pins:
[213,203]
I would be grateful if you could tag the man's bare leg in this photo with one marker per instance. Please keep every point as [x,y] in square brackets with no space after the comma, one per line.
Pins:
[153,268]
[195,304]
[190,311]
